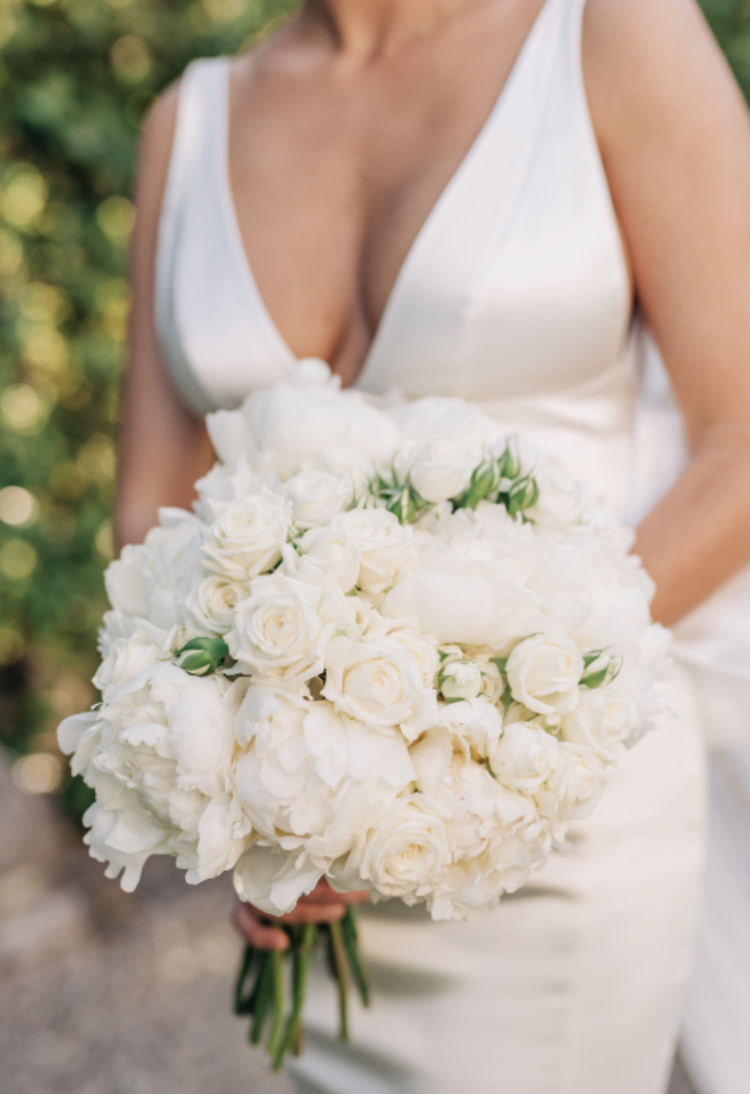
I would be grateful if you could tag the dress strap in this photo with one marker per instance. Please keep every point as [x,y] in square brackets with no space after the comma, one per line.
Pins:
[198,131]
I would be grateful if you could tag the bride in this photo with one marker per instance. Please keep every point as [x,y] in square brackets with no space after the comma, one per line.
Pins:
[486,199]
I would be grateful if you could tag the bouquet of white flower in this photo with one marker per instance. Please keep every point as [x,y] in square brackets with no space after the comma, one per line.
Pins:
[390,647]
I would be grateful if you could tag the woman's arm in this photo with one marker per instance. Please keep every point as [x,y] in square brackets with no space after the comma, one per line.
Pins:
[675,138]
[163,447]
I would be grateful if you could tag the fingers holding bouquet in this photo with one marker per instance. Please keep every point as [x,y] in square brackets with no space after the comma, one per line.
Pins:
[322,905]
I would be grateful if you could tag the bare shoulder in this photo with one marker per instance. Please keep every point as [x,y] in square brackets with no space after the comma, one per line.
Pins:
[156,141]
[651,63]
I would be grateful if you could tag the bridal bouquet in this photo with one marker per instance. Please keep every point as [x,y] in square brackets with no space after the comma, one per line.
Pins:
[390,647]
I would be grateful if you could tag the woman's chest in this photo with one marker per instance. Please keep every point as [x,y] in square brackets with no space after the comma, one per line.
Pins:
[514,283]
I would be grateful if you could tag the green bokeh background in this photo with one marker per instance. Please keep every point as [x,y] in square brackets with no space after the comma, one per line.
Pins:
[76,77]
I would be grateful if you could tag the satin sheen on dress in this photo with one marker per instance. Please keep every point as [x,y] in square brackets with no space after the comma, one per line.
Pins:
[514,296]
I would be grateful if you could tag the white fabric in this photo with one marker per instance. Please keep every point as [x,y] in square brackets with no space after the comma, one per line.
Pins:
[514,295]
[715,1044]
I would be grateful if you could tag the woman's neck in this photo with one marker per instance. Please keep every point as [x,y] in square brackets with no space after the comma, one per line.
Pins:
[370,28]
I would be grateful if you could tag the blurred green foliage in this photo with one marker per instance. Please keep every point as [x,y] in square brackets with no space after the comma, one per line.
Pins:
[76,77]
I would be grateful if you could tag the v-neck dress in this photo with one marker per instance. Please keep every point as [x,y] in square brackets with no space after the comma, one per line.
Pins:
[515,296]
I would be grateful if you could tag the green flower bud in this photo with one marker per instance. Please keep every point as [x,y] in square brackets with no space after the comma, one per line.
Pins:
[204,655]
[523,494]
[509,464]
[485,480]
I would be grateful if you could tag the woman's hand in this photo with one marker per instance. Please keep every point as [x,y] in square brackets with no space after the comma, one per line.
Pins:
[322,905]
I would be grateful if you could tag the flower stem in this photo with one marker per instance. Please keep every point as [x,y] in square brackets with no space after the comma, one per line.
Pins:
[338,961]
[303,946]
[261,993]
[242,1003]
[351,942]
[276,959]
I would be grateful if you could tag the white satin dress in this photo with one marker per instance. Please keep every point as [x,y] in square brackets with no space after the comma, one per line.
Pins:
[515,296]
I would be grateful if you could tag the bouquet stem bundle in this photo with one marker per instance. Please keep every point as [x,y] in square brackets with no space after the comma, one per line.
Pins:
[261,986]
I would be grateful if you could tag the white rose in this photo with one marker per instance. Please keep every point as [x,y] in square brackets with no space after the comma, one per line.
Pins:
[386,546]
[603,719]
[460,680]
[544,673]
[492,681]
[407,851]
[422,647]
[317,497]
[573,789]
[455,606]
[278,630]
[562,499]
[335,553]
[378,683]
[246,538]
[211,603]
[440,470]
[524,757]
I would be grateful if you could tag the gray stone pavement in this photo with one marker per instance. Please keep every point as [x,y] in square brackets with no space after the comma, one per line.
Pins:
[103,993]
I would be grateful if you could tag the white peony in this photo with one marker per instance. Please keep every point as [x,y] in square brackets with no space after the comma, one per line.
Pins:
[273,880]
[544,673]
[309,776]
[152,579]
[316,497]
[129,657]
[387,547]
[378,682]
[524,757]
[159,753]
[347,461]
[246,537]
[296,421]
[475,724]
[225,483]
[452,420]
[467,608]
